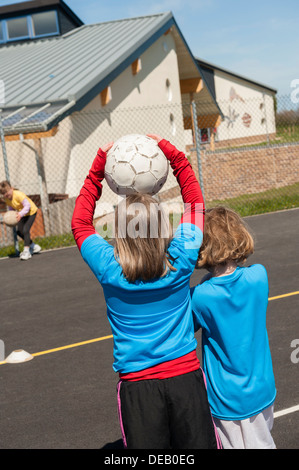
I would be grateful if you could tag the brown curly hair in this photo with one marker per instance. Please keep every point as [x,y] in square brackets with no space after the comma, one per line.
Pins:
[226,238]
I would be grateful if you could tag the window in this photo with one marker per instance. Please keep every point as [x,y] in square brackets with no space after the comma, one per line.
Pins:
[45,23]
[172,124]
[29,27]
[208,135]
[205,135]
[17,28]
[168,90]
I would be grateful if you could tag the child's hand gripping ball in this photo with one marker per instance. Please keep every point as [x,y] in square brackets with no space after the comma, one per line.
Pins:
[135,163]
[10,218]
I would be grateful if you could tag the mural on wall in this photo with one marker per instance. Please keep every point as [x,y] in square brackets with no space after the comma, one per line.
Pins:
[246,119]
[232,117]
[233,95]
[233,113]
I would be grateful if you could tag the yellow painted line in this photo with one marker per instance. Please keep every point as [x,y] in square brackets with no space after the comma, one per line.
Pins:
[284,295]
[74,345]
[95,340]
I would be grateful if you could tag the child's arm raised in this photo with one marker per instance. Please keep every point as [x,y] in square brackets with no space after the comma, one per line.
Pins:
[190,189]
[82,220]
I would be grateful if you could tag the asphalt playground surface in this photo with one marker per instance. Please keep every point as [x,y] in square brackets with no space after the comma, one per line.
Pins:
[65,397]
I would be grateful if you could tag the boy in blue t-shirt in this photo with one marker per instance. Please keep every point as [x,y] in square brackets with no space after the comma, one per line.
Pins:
[230,306]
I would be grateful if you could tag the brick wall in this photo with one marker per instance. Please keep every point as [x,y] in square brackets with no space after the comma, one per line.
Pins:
[246,171]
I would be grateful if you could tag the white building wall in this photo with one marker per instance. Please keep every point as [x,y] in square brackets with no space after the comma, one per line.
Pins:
[248,109]
[149,102]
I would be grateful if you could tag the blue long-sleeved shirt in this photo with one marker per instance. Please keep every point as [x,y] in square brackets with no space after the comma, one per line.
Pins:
[151,322]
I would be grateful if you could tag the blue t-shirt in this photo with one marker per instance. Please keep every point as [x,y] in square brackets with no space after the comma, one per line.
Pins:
[231,310]
[152,321]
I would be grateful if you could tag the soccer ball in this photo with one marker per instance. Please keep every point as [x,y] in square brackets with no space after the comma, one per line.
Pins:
[10,218]
[136,164]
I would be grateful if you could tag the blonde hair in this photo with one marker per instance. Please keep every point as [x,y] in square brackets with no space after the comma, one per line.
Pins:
[226,238]
[142,253]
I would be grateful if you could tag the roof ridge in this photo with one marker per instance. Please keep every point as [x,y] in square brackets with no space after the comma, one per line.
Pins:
[165,13]
[120,20]
[212,65]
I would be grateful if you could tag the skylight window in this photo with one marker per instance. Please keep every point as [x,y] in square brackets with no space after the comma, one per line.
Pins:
[45,23]
[29,27]
[17,28]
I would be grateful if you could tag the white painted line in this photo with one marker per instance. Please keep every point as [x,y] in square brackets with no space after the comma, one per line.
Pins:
[277,414]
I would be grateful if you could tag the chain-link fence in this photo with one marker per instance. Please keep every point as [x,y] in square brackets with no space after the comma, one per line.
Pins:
[248,159]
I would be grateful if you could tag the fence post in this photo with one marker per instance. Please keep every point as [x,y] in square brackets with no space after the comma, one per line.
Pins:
[37,149]
[197,142]
[266,120]
[44,190]
[7,176]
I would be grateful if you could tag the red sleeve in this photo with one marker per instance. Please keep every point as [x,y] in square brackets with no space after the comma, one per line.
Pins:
[82,220]
[190,189]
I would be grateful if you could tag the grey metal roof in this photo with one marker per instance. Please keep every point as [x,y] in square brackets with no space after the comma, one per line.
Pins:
[47,79]
[62,70]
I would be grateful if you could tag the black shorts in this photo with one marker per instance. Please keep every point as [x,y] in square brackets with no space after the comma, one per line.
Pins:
[166,413]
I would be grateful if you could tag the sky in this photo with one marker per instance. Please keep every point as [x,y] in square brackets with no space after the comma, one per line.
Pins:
[258,39]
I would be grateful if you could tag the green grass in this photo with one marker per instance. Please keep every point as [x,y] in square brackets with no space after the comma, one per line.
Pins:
[46,243]
[247,204]
[285,134]
[259,203]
